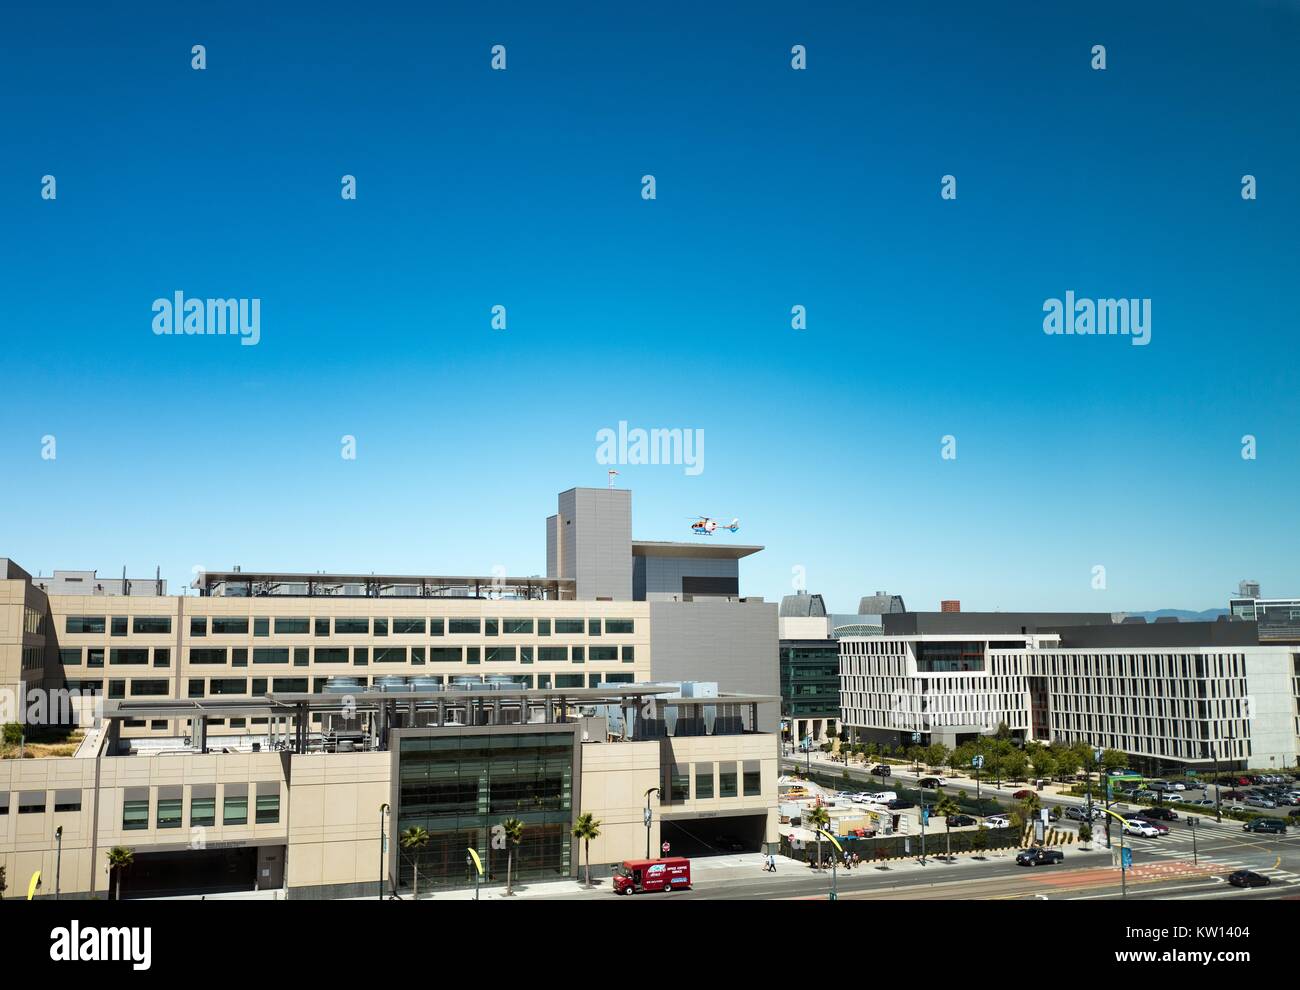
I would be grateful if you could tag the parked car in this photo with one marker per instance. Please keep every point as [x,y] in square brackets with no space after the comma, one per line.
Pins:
[1255,801]
[882,797]
[1076,814]
[881,770]
[996,821]
[960,821]
[1140,826]
[1142,794]
[899,805]
[1274,826]
[1039,857]
[1022,794]
[1232,796]
[1245,878]
[933,782]
[1158,815]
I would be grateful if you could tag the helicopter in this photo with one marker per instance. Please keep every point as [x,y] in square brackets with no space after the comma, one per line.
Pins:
[704,526]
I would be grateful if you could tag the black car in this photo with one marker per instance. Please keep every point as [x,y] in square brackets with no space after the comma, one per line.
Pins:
[1244,878]
[898,804]
[930,782]
[1273,825]
[881,771]
[1039,857]
[960,821]
[1158,814]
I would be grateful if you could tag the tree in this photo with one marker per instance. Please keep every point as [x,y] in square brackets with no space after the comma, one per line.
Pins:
[914,754]
[1013,765]
[1114,758]
[1029,807]
[978,841]
[937,755]
[3,885]
[13,733]
[1085,832]
[413,839]
[119,858]
[1003,731]
[513,830]
[819,819]
[947,807]
[587,828]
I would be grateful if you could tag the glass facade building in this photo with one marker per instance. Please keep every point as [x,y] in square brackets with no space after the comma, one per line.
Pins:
[810,678]
[459,786]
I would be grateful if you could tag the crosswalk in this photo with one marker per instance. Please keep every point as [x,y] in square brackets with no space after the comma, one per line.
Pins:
[1172,853]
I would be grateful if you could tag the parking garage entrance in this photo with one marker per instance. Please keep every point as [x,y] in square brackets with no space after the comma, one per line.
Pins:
[721,836]
[189,872]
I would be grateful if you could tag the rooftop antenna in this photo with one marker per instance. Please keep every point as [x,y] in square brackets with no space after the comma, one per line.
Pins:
[612,475]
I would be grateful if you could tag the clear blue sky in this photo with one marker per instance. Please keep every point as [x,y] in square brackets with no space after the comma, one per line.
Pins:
[775,188]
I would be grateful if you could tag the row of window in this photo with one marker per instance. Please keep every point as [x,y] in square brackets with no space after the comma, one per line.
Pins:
[302,656]
[200,625]
[135,657]
[203,808]
[679,781]
[38,802]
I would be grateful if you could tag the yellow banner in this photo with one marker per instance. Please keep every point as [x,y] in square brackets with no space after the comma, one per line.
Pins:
[478,863]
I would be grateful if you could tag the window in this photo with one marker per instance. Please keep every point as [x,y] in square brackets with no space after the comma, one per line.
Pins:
[198,625]
[445,654]
[517,627]
[4,802]
[228,685]
[268,804]
[455,626]
[116,690]
[226,626]
[629,654]
[331,654]
[543,627]
[525,654]
[381,627]
[543,680]
[262,626]
[162,656]
[417,656]
[118,627]
[408,627]
[239,657]
[472,654]
[501,654]
[301,656]
[568,680]
[360,656]
[70,658]
[135,814]
[67,801]
[158,724]
[271,654]
[128,657]
[86,687]
[31,802]
[237,723]
[593,627]
[151,624]
[292,685]
[679,784]
[203,809]
[94,657]
[490,627]
[259,686]
[703,781]
[617,626]
[196,686]
[753,780]
[435,627]
[390,654]
[568,626]
[577,654]
[149,689]
[296,626]
[208,655]
[351,627]
[84,624]
[552,654]
[602,654]
[322,627]
[235,807]
[170,811]
[727,780]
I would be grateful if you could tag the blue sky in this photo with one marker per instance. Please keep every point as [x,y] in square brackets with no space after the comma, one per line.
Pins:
[775,188]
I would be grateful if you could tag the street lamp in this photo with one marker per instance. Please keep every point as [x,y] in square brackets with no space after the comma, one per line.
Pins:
[652,790]
[58,859]
[383,848]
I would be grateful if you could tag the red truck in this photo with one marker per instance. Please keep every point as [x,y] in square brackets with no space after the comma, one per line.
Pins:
[636,875]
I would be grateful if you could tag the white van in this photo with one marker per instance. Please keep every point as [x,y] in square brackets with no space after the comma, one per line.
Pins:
[882,797]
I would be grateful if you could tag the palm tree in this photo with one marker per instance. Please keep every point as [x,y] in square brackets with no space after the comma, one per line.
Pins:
[119,858]
[3,886]
[587,828]
[947,807]
[818,819]
[415,838]
[513,830]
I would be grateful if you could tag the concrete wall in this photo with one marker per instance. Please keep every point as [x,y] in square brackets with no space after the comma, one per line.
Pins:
[334,819]
[732,643]
[660,578]
[595,540]
[615,778]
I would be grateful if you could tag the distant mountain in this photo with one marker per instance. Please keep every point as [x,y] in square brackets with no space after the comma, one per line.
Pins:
[1182,614]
